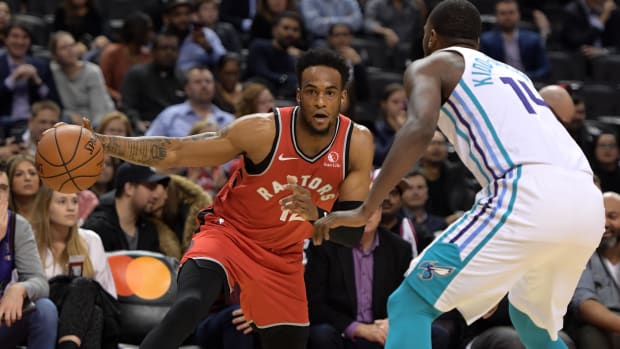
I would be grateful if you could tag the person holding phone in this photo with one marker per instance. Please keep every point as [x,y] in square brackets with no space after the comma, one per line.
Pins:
[27,316]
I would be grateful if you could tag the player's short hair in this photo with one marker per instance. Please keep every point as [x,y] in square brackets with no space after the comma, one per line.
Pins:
[456,19]
[324,57]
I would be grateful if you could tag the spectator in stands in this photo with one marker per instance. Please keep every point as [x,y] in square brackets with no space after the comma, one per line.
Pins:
[393,116]
[394,218]
[228,85]
[571,111]
[415,198]
[519,48]
[348,288]
[200,45]
[5,19]
[268,11]
[319,15]
[105,182]
[596,301]
[340,39]
[591,26]
[395,21]
[120,217]
[83,21]
[80,83]
[115,124]
[559,101]
[207,13]
[23,79]
[24,182]
[213,178]
[605,162]
[18,253]
[239,13]
[77,293]
[117,58]
[255,98]
[151,87]
[177,120]
[174,213]
[449,190]
[45,114]
[273,61]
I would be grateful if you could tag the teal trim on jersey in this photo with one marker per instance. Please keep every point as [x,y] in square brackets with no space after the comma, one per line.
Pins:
[466,138]
[487,122]
[502,220]
[439,264]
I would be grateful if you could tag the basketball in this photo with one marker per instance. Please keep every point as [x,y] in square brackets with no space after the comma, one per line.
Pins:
[69,158]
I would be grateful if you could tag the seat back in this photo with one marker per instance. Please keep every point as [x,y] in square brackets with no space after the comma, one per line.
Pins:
[146,287]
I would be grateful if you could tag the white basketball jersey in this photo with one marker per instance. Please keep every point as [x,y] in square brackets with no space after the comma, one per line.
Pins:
[496,120]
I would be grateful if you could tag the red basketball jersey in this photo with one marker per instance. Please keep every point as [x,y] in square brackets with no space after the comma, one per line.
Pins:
[250,201]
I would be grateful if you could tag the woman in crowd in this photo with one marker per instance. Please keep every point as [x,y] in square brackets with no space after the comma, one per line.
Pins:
[24,182]
[393,116]
[105,182]
[117,58]
[115,124]
[255,98]
[82,291]
[79,83]
[228,86]
[605,164]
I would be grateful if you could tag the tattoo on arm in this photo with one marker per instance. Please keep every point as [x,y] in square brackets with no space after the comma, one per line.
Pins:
[147,151]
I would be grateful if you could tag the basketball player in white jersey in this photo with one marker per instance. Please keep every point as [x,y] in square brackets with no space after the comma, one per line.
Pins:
[538,217]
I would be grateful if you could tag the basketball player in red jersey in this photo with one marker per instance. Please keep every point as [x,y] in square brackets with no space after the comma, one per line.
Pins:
[253,234]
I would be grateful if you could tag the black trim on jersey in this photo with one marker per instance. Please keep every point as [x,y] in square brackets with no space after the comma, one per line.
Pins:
[347,147]
[255,169]
[323,151]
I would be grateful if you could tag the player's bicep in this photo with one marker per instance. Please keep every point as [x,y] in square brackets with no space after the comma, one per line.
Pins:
[355,186]
[423,85]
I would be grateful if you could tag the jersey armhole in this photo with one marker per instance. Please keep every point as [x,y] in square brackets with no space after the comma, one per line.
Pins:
[347,147]
[252,168]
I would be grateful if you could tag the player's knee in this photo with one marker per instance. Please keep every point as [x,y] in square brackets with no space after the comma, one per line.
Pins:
[531,335]
[405,300]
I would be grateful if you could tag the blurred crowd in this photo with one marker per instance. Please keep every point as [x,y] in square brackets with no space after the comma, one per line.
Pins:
[180,67]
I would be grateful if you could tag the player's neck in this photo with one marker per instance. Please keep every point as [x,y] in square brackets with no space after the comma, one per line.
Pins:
[311,142]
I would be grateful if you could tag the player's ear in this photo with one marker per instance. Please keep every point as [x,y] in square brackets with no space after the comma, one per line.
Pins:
[298,95]
[344,96]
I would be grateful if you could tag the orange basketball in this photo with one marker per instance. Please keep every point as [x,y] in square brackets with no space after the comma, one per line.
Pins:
[69,158]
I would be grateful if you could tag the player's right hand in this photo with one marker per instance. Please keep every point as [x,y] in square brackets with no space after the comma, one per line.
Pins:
[350,218]
[241,324]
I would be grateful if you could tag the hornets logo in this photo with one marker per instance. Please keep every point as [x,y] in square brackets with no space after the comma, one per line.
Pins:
[430,268]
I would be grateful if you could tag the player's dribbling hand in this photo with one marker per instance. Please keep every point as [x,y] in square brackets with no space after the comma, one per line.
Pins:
[241,324]
[300,201]
[350,218]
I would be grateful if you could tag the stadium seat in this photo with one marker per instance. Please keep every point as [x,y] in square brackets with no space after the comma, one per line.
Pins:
[566,66]
[606,69]
[146,287]
[600,99]
[375,51]
[378,79]
[611,121]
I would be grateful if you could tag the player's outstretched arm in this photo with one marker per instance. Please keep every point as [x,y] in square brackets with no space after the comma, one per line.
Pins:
[248,135]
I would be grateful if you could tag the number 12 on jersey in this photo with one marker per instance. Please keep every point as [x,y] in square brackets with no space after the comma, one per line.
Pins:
[521,89]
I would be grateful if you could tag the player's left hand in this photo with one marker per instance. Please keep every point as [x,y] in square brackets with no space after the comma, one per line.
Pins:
[241,324]
[300,201]
[350,218]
